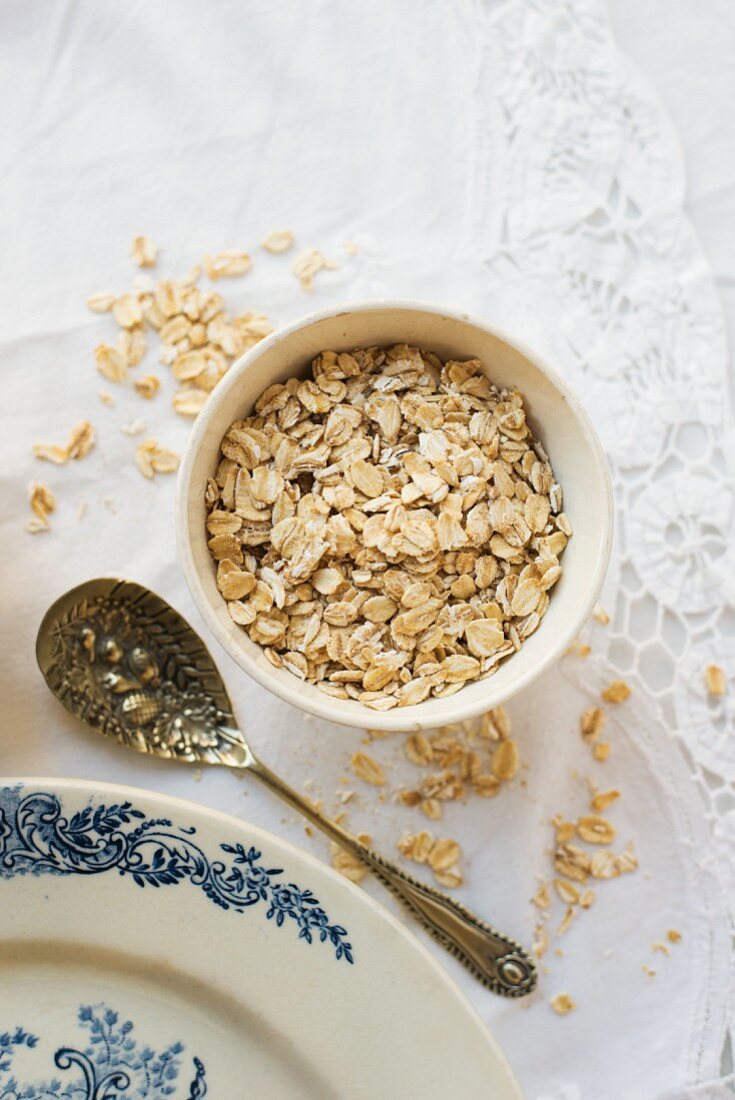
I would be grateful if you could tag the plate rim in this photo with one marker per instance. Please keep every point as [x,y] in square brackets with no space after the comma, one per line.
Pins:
[351,892]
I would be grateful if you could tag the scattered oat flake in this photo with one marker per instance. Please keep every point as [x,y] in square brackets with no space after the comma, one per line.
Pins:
[572,862]
[135,427]
[541,898]
[595,829]
[42,502]
[101,302]
[105,397]
[308,264]
[562,1004]
[348,864]
[504,763]
[601,751]
[189,401]
[416,846]
[540,941]
[486,786]
[277,241]
[143,283]
[144,251]
[231,261]
[565,830]
[368,769]
[37,526]
[600,614]
[648,971]
[418,749]
[499,719]
[602,799]
[568,893]
[131,344]
[606,864]
[444,854]
[716,681]
[616,692]
[591,723]
[378,735]
[147,386]
[432,808]
[449,879]
[566,921]
[152,459]
[662,947]
[673,936]
[81,441]
[50,452]
[128,311]
[110,363]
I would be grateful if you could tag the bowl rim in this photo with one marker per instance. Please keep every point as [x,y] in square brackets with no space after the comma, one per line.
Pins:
[320,706]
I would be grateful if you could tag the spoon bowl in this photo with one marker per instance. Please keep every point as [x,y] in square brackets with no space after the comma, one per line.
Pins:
[124,661]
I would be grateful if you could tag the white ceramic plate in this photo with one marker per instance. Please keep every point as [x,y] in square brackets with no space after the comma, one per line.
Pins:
[150,948]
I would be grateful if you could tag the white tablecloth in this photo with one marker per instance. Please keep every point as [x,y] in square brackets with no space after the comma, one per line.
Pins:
[406,128]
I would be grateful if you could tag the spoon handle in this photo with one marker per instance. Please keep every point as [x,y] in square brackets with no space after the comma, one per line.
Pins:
[497,961]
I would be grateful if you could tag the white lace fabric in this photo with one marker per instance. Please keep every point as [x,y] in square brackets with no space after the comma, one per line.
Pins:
[603,265]
[507,161]
[596,255]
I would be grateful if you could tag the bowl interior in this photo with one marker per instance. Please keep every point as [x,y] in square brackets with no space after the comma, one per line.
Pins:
[556,419]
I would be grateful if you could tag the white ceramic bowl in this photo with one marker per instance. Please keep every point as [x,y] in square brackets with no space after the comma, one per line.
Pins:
[557,419]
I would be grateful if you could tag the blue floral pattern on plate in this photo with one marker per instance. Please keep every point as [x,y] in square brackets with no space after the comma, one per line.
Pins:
[37,838]
[112,1064]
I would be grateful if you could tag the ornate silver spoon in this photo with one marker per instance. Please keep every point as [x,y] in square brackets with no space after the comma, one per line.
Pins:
[121,659]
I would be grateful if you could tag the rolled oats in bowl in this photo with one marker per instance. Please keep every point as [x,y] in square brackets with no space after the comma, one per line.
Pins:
[388,529]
